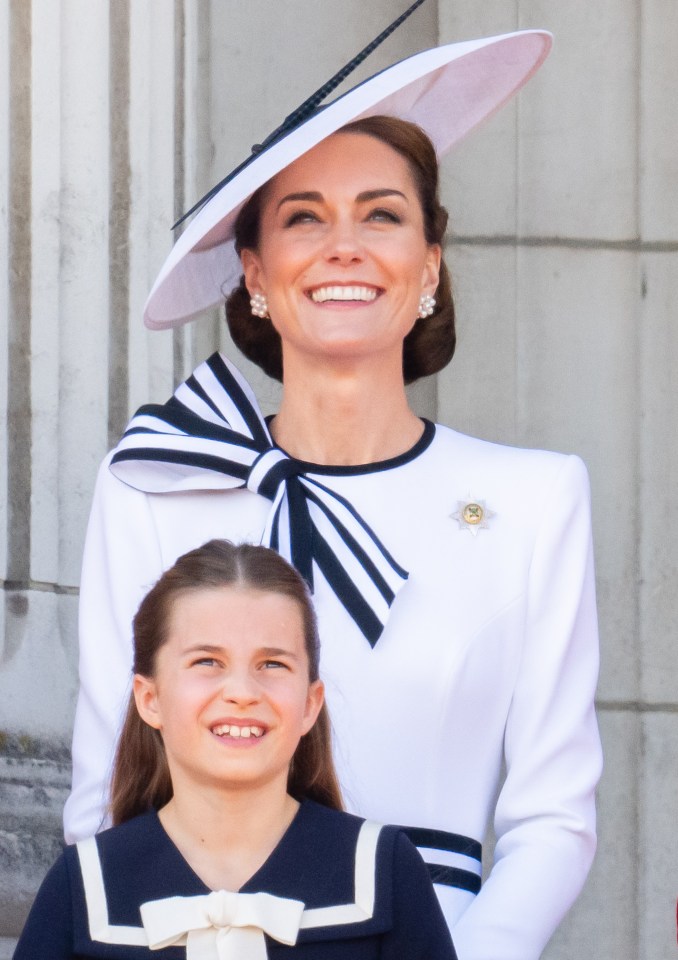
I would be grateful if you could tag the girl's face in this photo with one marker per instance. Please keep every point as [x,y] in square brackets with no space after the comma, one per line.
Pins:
[343,259]
[231,694]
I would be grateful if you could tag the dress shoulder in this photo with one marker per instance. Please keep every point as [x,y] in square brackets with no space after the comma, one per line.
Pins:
[512,482]
[451,442]
[48,931]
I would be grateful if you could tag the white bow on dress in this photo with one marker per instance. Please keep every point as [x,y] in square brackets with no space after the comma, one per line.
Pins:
[222,925]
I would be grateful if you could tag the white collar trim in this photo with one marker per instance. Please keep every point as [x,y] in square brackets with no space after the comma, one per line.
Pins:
[102,931]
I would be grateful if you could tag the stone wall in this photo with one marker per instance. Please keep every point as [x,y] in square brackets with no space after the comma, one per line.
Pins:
[564,250]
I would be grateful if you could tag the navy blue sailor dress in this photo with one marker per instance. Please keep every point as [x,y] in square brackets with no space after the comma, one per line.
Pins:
[335,887]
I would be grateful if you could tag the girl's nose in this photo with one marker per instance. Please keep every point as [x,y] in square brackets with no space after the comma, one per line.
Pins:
[240,687]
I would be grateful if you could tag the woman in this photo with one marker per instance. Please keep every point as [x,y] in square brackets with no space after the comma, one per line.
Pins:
[226,736]
[452,578]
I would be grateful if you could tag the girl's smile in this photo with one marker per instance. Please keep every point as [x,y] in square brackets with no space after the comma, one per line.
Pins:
[239,730]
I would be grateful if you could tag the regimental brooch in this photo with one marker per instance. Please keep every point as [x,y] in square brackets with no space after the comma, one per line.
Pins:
[473,515]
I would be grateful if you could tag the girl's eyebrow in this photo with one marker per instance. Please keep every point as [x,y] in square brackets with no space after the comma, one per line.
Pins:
[277,652]
[265,651]
[313,196]
[203,648]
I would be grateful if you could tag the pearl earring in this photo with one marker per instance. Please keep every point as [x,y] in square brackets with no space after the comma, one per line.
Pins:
[259,306]
[427,305]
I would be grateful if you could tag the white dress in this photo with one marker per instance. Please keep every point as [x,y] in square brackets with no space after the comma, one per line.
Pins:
[474,707]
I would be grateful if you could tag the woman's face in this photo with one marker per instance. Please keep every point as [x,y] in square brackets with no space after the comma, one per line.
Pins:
[342,258]
[231,695]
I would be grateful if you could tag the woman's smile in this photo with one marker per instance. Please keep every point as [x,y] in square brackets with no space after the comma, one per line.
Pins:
[344,293]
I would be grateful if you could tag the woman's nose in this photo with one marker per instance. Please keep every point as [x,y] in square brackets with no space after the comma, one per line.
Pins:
[344,244]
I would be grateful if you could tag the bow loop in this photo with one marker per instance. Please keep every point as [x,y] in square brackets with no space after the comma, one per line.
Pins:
[222,925]
[212,435]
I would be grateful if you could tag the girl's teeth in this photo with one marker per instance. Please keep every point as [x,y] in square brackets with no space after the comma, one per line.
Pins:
[232,730]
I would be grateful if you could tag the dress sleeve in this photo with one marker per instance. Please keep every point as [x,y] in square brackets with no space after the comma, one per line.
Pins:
[120,564]
[419,929]
[48,932]
[545,813]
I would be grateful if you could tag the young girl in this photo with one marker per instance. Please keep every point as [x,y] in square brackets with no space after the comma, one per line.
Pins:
[230,842]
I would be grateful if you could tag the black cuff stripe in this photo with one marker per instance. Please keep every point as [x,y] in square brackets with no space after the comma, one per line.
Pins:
[441,840]
[454,877]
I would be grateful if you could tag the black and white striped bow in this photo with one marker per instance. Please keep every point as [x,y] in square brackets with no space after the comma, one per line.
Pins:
[211,434]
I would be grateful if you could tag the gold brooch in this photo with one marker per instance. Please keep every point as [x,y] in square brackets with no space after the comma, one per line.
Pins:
[473,515]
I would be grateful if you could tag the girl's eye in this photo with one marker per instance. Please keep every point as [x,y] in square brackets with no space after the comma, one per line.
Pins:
[301,216]
[204,662]
[274,665]
[383,215]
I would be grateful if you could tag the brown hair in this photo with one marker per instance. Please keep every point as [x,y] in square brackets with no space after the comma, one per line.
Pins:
[429,346]
[141,779]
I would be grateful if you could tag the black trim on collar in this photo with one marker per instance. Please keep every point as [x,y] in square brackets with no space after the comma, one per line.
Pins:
[422,444]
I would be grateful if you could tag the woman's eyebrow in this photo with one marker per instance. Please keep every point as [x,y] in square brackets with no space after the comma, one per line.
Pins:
[313,196]
[368,195]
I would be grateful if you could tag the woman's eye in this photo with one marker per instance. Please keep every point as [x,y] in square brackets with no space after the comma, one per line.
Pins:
[384,215]
[301,216]
[204,662]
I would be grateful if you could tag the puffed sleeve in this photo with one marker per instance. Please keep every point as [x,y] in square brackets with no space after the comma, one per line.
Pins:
[48,932]
[419,931]
[545,813]
[121,563]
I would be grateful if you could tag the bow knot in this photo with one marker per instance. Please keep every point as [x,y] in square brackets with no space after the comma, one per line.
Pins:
[221,908]
[211,435]
[271,468]
[222,925]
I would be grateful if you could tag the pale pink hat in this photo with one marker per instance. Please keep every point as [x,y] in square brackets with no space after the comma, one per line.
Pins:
[447,91]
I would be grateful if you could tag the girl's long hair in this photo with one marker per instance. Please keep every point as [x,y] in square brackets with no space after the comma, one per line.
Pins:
[141,779]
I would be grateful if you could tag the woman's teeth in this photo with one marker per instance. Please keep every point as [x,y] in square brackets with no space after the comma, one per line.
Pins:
[322,294]
[231,730]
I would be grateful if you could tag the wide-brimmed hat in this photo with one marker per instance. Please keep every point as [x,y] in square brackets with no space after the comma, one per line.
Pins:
[447,91]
